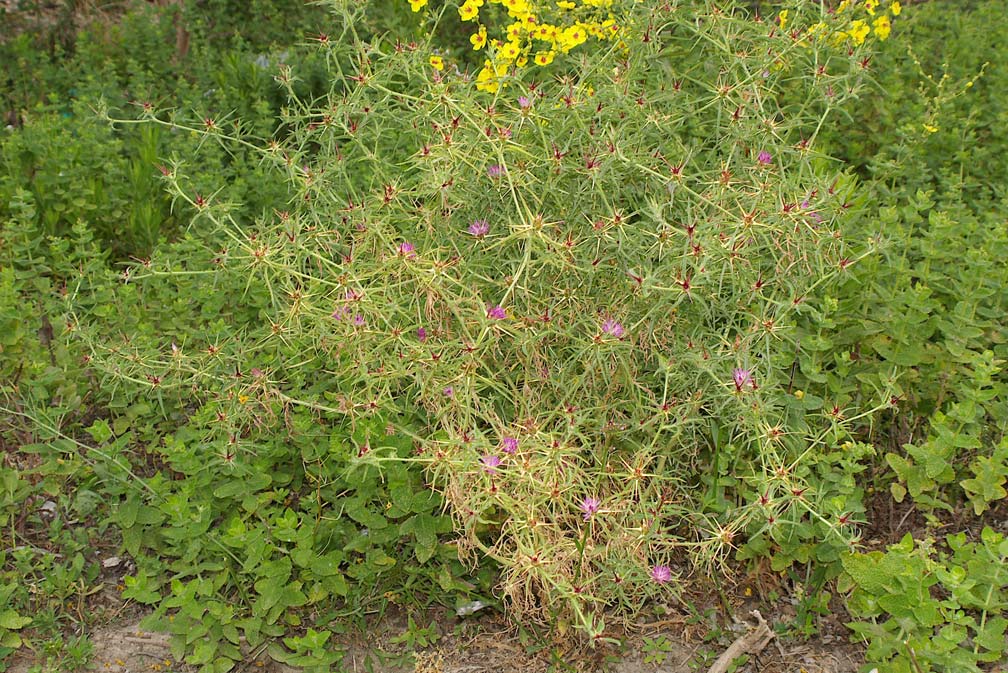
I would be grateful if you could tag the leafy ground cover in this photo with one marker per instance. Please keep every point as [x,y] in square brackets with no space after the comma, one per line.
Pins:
[635,316]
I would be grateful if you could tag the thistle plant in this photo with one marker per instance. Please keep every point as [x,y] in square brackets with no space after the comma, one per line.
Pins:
[574,291]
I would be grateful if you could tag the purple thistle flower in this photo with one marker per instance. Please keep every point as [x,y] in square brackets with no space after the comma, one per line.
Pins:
[479,228]
[589,506]
[612,328]
[448,391]
[509,445]
[497,313]
[524,103]
[764,157]
[359,321]
[661,574]
[406,249]
[742,378]
[490,464]
[495,171]
[421,334]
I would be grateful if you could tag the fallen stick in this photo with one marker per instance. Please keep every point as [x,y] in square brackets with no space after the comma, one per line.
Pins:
[751,642]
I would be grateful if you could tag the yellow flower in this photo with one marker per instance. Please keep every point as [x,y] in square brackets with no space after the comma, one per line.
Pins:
[478,39]
[782,19]
[517,9]
[544,57]
[565,4]
[545,32]
[509,52]
[843,5]
[930,129]
[489,77]
[818,30]
[469,10]
[572,37]
[882,27]
[514,31]
[521,61]
[870,6]
[859,31]
[895,8]
[437,62]
[416,5]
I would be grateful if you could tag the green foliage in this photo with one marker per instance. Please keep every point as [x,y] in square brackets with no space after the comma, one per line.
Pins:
[929,313]
[76,169]
[41,588]
[656,650]
[624,319]
[932,610]
[250,410]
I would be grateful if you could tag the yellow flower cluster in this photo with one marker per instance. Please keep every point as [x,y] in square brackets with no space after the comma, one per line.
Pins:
[860,29]
[536,33]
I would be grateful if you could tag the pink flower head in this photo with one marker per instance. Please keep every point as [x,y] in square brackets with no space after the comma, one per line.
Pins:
[589,506]
[406,249]
[495,171]
[509,445]
[497,313]
[490,463]
[661,574]
[742,378]
[359,321]
[524,103]
[612,328]
[764,157]
[448,391]
[421,334]
[479,228]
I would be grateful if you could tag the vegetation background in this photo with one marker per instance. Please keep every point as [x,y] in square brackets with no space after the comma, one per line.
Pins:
[119,493]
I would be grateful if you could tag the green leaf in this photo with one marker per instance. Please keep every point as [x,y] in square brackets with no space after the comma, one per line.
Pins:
[992,636]
[9,619]
[100,431]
